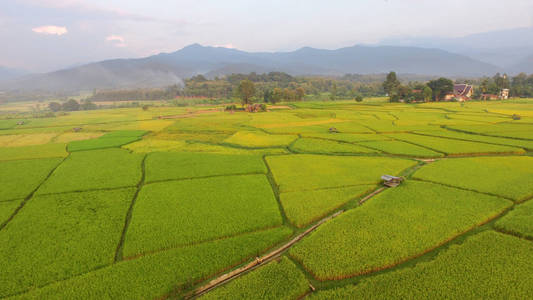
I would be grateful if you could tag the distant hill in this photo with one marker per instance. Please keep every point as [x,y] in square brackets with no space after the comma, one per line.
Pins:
[525,66]
[503,48]
[169,68]
[7,73]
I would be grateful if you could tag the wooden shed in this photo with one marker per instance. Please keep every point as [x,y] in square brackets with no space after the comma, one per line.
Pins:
[392,181]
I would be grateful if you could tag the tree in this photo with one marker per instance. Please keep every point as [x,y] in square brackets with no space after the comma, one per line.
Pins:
[277,95]
[88,105]
[359,98]
[441,87]
[333,93]
[300,93]
[246,91]
[71,105]
[427,93]
[391,86]
[54,106]
[267,96]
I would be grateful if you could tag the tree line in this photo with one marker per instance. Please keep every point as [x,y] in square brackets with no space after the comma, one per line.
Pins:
[278,86]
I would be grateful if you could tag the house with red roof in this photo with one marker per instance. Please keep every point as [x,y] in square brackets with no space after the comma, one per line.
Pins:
[461,92]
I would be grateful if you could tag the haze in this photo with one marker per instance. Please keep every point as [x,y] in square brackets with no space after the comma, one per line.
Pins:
[45,35]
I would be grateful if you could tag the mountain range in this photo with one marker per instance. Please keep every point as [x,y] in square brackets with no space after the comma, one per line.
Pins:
[170,68]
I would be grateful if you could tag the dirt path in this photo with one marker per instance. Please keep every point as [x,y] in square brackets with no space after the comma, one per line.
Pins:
[259,261]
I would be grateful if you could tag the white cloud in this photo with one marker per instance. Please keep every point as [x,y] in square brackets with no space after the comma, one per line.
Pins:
[117,40]
[229,46]
[50,30]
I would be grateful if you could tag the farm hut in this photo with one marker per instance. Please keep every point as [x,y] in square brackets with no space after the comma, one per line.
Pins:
[77,129]
[333,130]
[20,123]
[391,181]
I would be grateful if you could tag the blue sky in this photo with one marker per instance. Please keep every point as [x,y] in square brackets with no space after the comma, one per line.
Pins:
[42,35]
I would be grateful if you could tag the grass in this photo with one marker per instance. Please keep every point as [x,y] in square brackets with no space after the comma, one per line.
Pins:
[393,227]
[98,169]
[488,265]
[279,279]
[7,209]
[504,176]
[454,147]
[258,139]
[305,207]
[32,152]
[168,272]
[307,172]
[63,235]
[519,221]
[181,213]
[401,148]
[167,166]
[311,145]
[109,140]
[19,178]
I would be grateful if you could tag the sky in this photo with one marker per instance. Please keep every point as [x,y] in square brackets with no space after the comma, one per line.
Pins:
[44,35]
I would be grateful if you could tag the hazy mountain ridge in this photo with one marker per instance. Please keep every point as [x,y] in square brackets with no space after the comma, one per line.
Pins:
[503,48]
[168,68]
[8,73]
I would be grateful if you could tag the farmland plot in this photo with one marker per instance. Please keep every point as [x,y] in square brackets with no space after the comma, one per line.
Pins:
[260,139]
[348,137]
[19,178]
[159,274]
[276,280]
[304,207]
[482,138]
[167,166]
[504,176]
[108,140]
[33,152]
[7,208]
[401,148]
[97,169]
[393,227]
[307,172]
[519,221]
[181,213]
[60,236]
[454,147]
[488,265]
[312,145]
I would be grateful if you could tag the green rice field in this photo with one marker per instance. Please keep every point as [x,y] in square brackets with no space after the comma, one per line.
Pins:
[163,203]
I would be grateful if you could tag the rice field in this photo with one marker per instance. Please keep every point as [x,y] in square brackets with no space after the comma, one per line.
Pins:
[133,204]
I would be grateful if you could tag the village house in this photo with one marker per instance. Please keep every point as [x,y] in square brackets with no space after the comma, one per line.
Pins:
[504,95]
[461,92]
